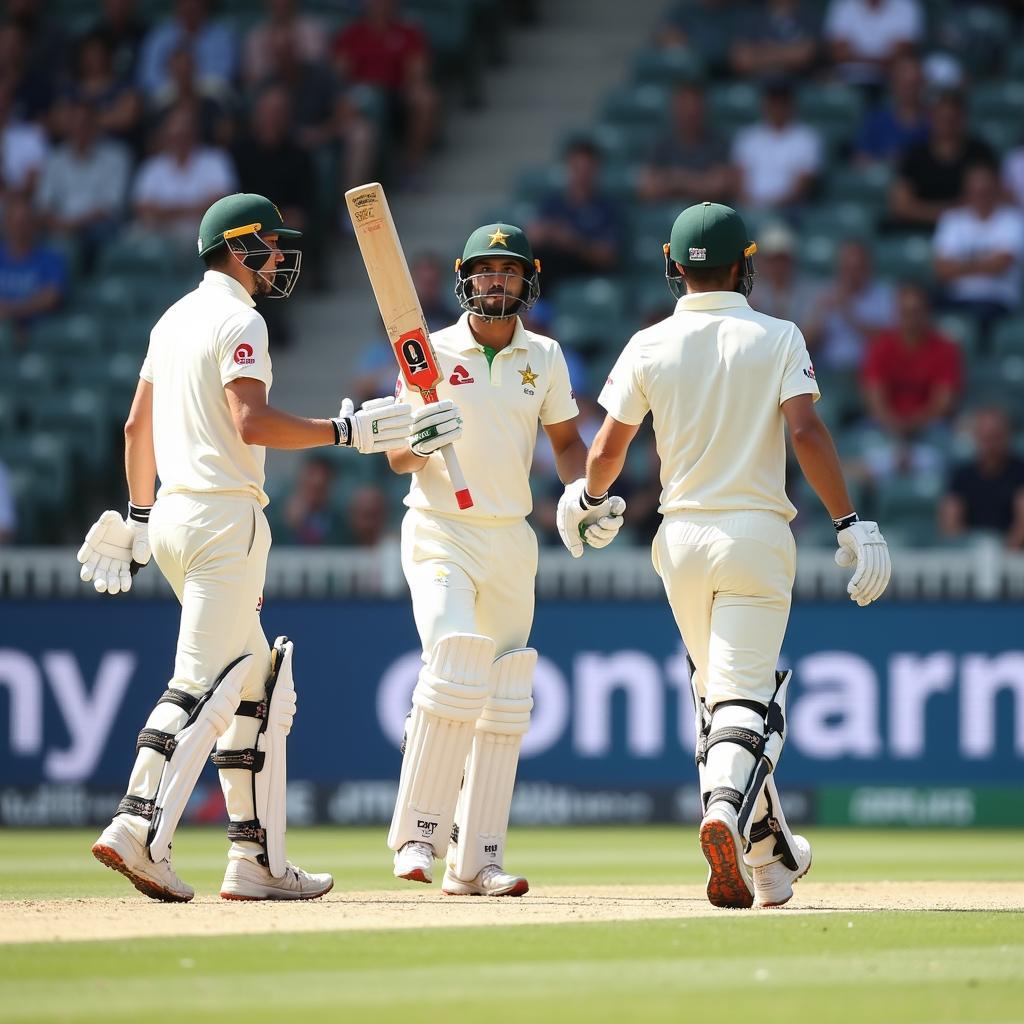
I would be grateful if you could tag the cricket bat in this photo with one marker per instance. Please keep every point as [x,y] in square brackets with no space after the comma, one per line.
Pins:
[399,306]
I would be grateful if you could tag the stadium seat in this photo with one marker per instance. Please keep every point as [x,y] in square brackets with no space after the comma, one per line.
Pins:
[843,219]
[1003,100]
[732,105]
[70,334]
[1008,336]
[817,254]
[910,504]
[961,328]
[668,66]
[860,184]
[834,110]
[632,104]
[904,258]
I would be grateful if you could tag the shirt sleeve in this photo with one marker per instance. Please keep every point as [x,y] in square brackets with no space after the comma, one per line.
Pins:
[243,349]
[946,243]
[559,402]
[798,377]
[623,395]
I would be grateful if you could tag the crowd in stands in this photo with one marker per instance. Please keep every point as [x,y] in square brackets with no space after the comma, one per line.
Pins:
[875,148]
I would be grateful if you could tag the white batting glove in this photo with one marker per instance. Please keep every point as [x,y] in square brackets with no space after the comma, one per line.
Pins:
[381,425]
[115,549]
[434,426]
[581,522]
[861,544]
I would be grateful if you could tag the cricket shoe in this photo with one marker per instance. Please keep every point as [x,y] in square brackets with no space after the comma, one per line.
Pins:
[120,849]
[491,881]
[415,862]
[247,880]
[773,883]
[729,883]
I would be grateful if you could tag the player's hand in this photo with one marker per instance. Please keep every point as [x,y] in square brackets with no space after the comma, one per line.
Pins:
[862,545]
[115,549]
[381,425]
[434,426]
[581,523]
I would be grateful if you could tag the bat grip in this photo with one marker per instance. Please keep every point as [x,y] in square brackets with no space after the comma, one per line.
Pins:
[451,462]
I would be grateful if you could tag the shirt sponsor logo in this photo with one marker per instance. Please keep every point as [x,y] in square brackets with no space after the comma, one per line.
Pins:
[698,254]
[809,372]
[243,355]
[460,375]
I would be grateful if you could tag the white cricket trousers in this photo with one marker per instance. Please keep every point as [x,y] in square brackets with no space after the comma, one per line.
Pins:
[470,577]
[729,579]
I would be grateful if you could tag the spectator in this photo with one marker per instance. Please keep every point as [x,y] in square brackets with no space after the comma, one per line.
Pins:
[84,184]
[309,516]
[930,178]
[688,163]
[912,375]
[307,33]
[987,492]
[323,114]
[865,35]
[848,310]
[45,45]
[123,33]
[901,121]
[780,290]
[577,231]
[117,104]
[8,513]
[384,50]
[24,149]
[701,26]
[366,518]
[779,37]
[175,186]
[778,159]
[30,82]
[978,251]
[212,44]
[210,101]
[33,277]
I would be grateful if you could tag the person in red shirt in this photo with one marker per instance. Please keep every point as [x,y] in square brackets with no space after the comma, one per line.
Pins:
[384,50]
[912,374]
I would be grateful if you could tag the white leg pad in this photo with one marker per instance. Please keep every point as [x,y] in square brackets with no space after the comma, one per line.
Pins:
[192,746]
[486,797]
[771,838]
[448,699]
[252,760]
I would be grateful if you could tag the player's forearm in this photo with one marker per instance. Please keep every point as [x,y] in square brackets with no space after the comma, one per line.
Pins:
[405,460]
[820,465]
[273,428]
[571,461]
[140,464]
[603,469]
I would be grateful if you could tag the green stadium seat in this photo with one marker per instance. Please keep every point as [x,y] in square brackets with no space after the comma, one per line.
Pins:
[843,219]
[961,328]
[598,297]
[904,258]
[632,104]
[1001,133]
[621,141]
[140,255]
[835,111]
[817,254]
[911,505]
[860,184]
[68,334]
[1008,337]
[733,105]
[535,184]
[1003,99]
[668,67]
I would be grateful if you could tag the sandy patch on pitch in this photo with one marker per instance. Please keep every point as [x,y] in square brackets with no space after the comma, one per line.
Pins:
[138,917]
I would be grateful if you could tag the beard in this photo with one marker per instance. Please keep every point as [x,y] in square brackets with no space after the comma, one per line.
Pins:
[263,286]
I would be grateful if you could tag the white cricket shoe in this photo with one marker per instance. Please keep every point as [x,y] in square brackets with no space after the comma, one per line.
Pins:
[415,862]
[247,880]
[729,883]
[120,849]
[773,883]
[491,881]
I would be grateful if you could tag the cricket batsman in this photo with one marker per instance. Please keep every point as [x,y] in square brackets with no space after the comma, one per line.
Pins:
[721,380]
[471,571]
[200,421]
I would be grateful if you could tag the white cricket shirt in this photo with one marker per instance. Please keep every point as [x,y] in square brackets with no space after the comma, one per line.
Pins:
[714,376]
[208,338]
[501,405]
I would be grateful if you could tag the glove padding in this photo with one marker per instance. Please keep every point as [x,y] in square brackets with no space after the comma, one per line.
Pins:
[580,525]
[381,425]
[863,545]
[434,426]
[115,549]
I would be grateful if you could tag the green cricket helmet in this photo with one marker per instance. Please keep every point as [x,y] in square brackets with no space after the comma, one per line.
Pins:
[238,223]
[709,235]
[497,240]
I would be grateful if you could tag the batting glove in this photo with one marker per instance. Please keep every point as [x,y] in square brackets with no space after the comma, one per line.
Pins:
[861,544]
[583,520]
[434,426]
[381,425]
[115,549]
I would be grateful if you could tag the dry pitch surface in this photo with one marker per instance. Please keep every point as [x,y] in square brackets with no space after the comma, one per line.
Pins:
[137,917]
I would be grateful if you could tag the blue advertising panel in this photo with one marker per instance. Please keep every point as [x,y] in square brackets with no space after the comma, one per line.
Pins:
[893,694]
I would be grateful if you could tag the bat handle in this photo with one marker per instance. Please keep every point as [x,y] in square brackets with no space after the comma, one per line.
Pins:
[451,461]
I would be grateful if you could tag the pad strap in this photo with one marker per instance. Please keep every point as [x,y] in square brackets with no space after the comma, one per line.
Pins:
[136,805]
[162,742]
[247,832]
[745,738]
[730,796]
[252,709]
[180,699]
[250,759]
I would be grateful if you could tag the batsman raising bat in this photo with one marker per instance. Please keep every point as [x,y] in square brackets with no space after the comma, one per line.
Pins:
[471,567]
[200,421]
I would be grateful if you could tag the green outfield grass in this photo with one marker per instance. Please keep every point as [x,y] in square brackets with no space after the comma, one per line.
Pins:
[878,967]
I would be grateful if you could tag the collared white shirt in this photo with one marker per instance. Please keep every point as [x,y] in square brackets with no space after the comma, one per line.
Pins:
[961,234]
[208,338]
[714,376]
[526,383]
